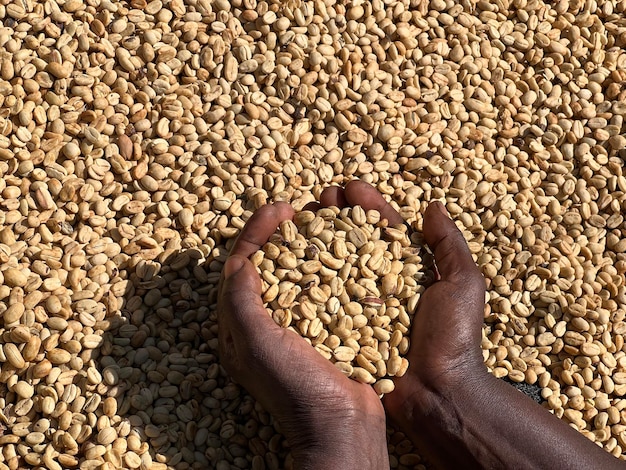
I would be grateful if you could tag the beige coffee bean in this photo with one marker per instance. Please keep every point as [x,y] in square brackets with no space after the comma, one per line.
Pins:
[13,356]
[59,356]
[14,277]
[384,386]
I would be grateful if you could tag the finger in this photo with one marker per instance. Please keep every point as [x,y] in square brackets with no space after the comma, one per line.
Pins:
[241,292]
[312,206]
[333,196]
[240,311]
[362,194]
[452,256]
[260,227]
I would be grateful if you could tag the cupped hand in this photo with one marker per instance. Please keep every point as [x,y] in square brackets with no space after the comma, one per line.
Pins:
[329,420]
[446,328]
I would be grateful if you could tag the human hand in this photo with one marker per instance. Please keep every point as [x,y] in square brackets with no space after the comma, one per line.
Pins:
[329,420]
[448,404]
[446,329]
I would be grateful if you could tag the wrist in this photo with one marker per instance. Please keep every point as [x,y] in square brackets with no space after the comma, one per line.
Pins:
[353,440]
[434,417]
[416,403]
[350,456]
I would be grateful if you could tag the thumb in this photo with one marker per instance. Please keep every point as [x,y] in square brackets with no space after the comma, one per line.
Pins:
[251,342]
[240,298]
[244,324]
[239,272]
[452,255]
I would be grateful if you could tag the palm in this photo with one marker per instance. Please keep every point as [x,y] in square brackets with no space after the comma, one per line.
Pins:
[308,381]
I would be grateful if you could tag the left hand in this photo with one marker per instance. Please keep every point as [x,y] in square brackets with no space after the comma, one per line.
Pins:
[329,420]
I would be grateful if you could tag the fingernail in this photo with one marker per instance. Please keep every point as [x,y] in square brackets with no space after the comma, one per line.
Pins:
[232,265]
[442,208]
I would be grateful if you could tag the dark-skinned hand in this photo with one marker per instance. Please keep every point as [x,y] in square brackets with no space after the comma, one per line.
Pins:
[446,328]
[329,420]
